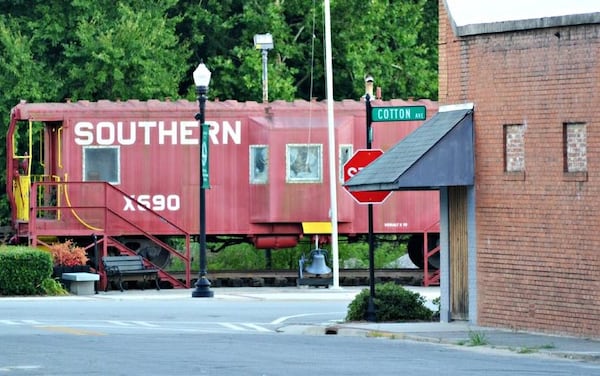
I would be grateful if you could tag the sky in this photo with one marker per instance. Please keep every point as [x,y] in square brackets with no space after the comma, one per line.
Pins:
[469,12]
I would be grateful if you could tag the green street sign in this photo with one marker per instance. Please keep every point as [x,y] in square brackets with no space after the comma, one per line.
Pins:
[204,159]
[399,113]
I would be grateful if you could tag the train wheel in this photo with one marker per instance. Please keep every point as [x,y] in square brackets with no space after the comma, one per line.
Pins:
[149,250]
[415,249]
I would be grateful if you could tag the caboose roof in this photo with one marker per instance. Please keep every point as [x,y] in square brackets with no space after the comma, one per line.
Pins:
[58,111]
[437,154]
[492,16]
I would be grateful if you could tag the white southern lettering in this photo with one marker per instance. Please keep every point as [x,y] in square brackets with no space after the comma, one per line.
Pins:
[226,131]
[121,139]
[105,133]
[185,132]
[146,125]
[171,133]
[84,133]
[157,203]
[148,132]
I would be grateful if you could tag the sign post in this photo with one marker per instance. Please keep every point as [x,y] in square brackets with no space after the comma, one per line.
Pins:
[371,309]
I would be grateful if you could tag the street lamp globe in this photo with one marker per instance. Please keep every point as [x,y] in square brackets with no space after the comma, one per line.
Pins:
[202,76]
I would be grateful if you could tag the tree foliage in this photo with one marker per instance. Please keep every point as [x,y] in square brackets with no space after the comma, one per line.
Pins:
[138,49]
[84,49]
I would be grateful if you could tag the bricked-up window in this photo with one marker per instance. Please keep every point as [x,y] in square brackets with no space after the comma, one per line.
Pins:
[575,147]
[514,148]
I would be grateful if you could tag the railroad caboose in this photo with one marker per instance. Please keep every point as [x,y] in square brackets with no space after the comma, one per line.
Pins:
[125,175]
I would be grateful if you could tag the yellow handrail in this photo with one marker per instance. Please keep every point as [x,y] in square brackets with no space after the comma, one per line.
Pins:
[73,210]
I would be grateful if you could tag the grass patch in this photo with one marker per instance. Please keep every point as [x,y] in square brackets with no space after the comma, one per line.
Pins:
[477,339]
[533,349]
[378,334]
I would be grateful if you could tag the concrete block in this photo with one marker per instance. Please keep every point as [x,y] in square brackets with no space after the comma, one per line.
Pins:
[81,283]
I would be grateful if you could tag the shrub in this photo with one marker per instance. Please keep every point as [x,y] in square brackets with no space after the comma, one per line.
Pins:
[68,254]
[52,287]
[392,302]
[23,270]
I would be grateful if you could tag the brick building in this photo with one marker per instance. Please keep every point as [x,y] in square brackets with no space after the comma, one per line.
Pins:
[520,239]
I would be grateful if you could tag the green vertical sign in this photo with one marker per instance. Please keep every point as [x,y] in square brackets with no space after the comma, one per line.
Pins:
[398,113]
[204,157]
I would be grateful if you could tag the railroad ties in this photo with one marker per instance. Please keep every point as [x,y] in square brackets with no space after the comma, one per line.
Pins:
[282,278]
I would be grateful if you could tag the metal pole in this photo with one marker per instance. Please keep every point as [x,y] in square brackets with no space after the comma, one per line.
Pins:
[371,309]
[96,261]
[265,76]
[203,284]
[332,151]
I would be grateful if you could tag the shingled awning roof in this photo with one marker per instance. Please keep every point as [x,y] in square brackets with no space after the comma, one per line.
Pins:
[437,154]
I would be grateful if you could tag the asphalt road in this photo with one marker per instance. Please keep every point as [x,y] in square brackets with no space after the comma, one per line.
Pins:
[57,351]
[227,337]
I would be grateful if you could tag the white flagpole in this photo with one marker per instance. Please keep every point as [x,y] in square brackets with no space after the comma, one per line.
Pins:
[332,154]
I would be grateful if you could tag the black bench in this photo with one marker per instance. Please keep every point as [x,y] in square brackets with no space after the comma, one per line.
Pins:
[123,268]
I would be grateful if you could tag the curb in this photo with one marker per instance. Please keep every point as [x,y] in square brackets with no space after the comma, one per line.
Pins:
[340,330]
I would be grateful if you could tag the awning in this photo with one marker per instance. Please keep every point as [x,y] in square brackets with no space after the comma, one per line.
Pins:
[437,154]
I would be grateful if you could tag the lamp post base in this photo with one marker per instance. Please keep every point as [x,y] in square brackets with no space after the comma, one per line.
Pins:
[371,310]
[203,289]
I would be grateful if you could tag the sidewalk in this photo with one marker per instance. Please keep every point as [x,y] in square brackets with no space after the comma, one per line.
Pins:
[457,333]
[471,336]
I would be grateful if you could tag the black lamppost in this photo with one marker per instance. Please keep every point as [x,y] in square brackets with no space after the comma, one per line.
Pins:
[201,80]
[371,309]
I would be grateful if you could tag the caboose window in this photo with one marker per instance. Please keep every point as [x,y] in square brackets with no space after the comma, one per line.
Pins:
[101,164]
[259,164]
[304,163]
[346,152]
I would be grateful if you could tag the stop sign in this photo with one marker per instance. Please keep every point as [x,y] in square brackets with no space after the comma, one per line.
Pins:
[357,162]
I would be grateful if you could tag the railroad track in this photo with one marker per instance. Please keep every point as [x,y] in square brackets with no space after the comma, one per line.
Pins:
[280,278]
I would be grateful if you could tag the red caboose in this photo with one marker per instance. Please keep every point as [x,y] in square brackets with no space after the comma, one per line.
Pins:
[127,174]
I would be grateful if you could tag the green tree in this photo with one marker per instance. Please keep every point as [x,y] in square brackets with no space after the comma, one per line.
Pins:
[222,33]
[22,77]
[124,49]
[389,39]
[386,40]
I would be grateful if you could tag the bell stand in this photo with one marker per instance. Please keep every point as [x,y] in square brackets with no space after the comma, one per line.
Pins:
[311,281]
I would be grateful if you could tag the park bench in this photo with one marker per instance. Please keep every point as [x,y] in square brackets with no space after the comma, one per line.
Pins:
[126,268]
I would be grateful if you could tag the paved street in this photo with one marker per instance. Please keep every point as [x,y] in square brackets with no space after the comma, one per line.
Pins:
[255,332]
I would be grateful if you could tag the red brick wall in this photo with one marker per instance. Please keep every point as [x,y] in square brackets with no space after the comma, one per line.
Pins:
[538,232]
